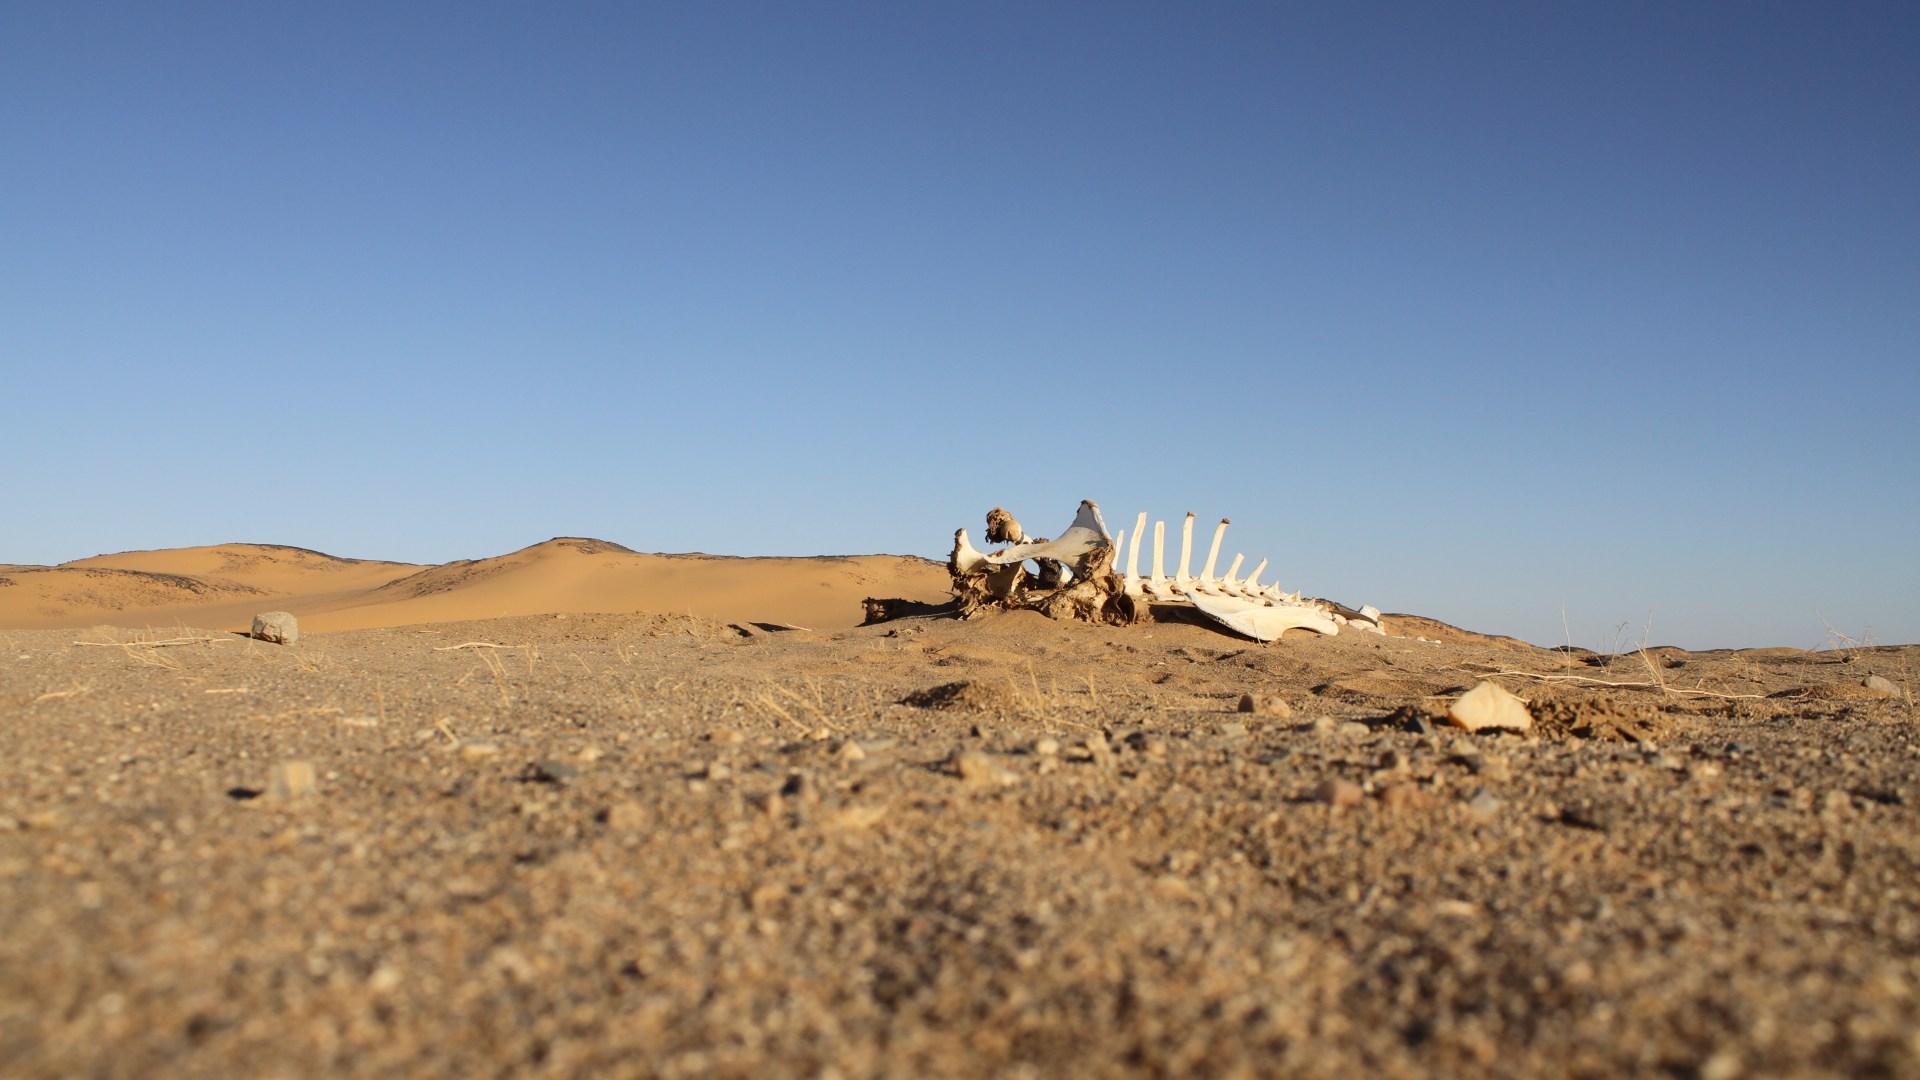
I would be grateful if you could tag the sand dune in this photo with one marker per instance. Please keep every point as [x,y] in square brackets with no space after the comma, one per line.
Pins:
[223,586]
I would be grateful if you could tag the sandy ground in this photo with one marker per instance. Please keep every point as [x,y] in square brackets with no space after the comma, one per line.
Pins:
[659,845]
[225,585]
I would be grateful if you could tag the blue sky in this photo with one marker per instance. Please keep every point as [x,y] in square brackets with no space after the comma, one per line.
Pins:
[1480,311]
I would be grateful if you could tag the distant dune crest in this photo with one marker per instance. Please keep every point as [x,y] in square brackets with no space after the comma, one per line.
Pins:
[223,585]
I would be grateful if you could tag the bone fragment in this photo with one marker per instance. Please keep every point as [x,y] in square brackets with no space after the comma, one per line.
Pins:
[1086,533]
[966,558]
[1207,581]
[1262,622]
[1132,583]
[1252,587]
[1231,583]
[1002,528]
[1158,585]
[1183,580]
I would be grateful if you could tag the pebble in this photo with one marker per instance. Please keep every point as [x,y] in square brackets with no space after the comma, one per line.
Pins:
[1703,770]
[1484,804]
[1265,705]
[549,771]
[1402,795]
[292,780]
[718,770]
[1232,729]
[1880,684]
[850,752]
[858,817]
[978,769]
[626,817]
[477,748]
[1489,767]
[1339,793]
[1046,746]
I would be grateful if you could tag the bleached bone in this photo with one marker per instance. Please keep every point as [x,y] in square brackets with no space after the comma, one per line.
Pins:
[966,558]
[1000,582]
[1183,580]
[1086,553]
[1158,585]
[1208,583]
[1231,583]
[1262,622]
[1086,533]
[1252,587]
[1132,583]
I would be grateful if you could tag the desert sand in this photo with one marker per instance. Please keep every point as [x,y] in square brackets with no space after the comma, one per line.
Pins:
[225,585]
[581,811]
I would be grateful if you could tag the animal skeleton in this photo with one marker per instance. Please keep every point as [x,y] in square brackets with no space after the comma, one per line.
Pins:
[1077,579]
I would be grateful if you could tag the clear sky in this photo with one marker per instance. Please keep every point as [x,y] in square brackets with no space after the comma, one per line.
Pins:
[1480,311]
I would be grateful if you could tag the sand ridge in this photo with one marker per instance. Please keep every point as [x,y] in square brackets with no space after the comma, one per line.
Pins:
[223,586]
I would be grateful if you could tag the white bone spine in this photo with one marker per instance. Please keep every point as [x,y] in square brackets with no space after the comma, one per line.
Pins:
[1207,582]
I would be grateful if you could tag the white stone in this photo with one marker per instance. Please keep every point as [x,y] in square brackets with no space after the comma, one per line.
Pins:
[1487,706]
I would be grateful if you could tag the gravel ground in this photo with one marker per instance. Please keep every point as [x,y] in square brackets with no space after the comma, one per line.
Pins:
[652,846]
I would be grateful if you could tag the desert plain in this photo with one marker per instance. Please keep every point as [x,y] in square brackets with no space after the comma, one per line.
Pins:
[579,810]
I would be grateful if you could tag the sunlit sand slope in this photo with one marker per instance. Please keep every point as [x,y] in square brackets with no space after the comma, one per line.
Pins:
[225,585]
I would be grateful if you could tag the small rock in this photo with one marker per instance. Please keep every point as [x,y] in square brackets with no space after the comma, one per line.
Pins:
[1489,767]
[717,770]
[1723,1065]
[1585,816]
[1148,744]
[978,769]
[1882,685]
[1046,746]
[1325,725]
[1401,795]
[801,788]
[1703,770]
[1265,705]
[278,627]
[1232,729]
[1836,802]
[1339,793]
[860,816]
[625,817]
[292,780]
[1488,706]
[549,771]
[1354,729]
[850,752]
[477,748]
[1484,804]
[726,737]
